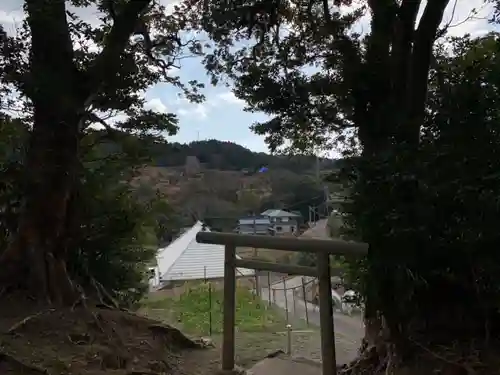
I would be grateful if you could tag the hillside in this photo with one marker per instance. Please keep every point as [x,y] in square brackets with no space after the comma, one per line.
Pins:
[220,181]
[214,154]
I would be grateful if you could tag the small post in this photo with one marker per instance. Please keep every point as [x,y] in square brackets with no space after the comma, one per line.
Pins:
[289,339]
[210,330]
[269,286]
[294,302]
[286,298]
[257,285]
[209,301]
[305,300]
[255,253]
[329,362]
[229,308]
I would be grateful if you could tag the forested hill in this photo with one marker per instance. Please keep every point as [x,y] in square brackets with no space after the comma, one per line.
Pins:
[214,154]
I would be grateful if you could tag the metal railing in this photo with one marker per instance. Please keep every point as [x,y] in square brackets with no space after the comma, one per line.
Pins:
[322,248]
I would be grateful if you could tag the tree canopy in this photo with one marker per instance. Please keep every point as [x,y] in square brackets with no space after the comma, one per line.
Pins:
[388,97]
[215,154]
[416,111]
[70,75]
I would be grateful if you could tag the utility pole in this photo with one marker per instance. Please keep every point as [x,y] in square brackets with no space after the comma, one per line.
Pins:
[327,200]
[325,188]
[313,214]
[317,169]
[254,232]
[255,254]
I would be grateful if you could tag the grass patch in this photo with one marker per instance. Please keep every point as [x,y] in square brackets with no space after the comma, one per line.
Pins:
[200,306]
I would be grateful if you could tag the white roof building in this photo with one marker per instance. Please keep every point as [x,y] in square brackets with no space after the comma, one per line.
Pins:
[186,259]
[279,213]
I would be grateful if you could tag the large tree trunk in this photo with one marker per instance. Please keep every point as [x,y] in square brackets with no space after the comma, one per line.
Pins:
[390,114]
[425,311]
[36,258]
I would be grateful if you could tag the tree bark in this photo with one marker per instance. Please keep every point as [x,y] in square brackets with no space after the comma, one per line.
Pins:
[36,257]
[391,109]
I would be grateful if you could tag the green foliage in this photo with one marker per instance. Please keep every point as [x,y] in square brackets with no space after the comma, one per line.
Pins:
[230,156]
[296,192]
[111,241]
[423,180]
[230,189]
[133,67]
[12,148]
[291,67]
[110,247]
[306,259]
[63,90]
[193,307]
[337,263]
[449,240]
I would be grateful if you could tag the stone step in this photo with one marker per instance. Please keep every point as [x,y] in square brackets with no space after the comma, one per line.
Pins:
[285,365]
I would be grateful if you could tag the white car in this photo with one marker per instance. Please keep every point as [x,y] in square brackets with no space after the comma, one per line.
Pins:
[350,302]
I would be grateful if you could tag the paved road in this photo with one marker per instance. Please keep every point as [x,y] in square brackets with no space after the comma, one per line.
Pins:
[348,329]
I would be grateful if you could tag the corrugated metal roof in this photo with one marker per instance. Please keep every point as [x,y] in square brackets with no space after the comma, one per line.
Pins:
[279,213]
[186,259]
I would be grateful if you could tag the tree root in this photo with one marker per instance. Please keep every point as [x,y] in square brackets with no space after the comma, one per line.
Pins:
[21,323]
[369,362]
[3,291]
[28,368]
[469,358]
[175,336]
[104,295]
[82,300]
[455,363]
[97,321]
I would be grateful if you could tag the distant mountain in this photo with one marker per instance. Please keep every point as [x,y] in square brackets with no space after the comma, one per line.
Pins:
[221,180]
[214,154]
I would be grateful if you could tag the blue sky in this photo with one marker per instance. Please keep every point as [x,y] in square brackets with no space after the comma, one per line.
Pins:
[222,116]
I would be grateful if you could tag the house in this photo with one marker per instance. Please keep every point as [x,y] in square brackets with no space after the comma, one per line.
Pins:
[254,225]
[283,222]
[185,259]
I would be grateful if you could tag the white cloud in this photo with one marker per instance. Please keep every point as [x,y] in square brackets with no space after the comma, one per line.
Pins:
[466,17]
[469,17]
[157,105]
[463,17]
[256,144]
[230,98]
[198,111]
[10,17]
[202,111]
[169,5]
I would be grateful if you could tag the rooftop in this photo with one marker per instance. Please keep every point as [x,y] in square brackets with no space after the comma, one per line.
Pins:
[279,213]
[187,259]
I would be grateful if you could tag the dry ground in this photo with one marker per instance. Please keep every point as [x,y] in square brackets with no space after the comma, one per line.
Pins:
[251,345]
[37,340]
[93,341]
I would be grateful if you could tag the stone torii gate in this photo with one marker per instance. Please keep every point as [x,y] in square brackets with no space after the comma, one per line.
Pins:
[322,248]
